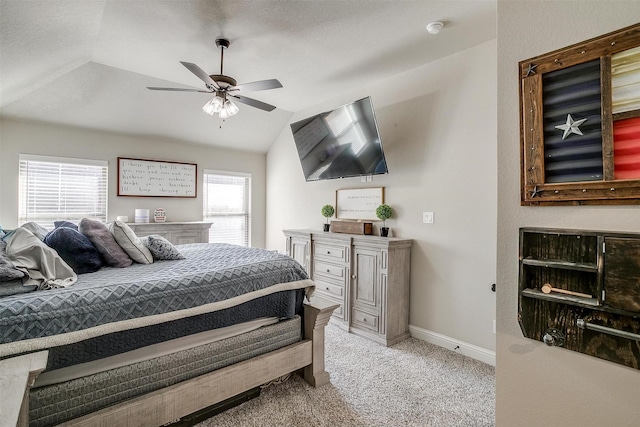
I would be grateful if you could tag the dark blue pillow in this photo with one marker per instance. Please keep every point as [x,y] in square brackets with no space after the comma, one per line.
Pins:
[75,248]
[67,224]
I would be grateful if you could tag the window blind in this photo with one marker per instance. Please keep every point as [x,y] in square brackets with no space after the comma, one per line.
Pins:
[55,188]
[227,204]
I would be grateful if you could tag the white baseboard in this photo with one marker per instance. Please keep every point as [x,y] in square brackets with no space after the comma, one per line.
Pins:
[470,350]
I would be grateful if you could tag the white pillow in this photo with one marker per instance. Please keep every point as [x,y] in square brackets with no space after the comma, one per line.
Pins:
[127,239]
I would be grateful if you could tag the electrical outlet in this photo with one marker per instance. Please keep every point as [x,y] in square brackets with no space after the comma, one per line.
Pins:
[427,217]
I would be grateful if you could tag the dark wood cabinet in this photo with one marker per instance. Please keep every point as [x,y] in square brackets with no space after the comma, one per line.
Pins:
[581,290]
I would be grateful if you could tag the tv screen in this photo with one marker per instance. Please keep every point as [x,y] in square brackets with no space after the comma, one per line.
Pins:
[340,143]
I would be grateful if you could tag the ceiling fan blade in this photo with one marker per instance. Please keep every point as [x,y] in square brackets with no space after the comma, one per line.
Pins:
[202,75]
[175,89]
[254,102]
[259,85]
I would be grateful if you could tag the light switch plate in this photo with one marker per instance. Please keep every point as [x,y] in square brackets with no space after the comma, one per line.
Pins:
[427,217]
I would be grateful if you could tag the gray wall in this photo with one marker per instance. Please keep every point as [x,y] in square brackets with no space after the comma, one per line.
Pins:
[43,139]
[438,130]
[539,385]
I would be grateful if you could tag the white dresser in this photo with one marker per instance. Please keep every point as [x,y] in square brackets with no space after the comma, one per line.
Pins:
[178,233]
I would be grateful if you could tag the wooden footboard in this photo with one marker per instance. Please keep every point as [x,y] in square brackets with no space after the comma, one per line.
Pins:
[176,401]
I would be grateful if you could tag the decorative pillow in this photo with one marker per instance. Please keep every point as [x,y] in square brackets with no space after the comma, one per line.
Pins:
[127,239]
[161,248]
[8,271]
[75,249]
[67,224]
[103,240]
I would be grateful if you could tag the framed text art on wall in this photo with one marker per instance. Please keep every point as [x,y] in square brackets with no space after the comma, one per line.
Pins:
[358,203]
[156,178]
[580,122]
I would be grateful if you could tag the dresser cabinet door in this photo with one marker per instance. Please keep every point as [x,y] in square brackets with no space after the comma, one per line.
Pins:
[366,287]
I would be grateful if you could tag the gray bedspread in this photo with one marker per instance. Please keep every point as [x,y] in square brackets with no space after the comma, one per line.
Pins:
[209,274]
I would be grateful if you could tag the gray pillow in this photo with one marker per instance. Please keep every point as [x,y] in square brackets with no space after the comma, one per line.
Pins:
[127,239]
[8,271]
[103,240]
[161,248]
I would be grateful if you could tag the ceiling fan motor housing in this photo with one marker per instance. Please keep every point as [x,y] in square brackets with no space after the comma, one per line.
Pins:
[223,81]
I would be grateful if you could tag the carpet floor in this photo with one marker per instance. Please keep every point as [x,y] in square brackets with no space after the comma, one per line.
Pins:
[413,383]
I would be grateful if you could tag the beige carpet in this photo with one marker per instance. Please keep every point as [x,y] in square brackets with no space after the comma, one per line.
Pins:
[413,383]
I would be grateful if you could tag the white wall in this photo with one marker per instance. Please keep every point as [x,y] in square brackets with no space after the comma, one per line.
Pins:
[539,385]
[438,130]
[32,138]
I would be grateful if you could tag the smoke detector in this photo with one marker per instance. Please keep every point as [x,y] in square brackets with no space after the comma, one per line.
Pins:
[435,27]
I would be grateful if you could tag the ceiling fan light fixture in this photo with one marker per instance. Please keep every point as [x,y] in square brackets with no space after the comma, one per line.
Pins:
[215,105]
[229,109]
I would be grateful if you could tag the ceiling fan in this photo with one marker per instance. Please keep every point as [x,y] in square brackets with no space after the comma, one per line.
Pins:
[225,88]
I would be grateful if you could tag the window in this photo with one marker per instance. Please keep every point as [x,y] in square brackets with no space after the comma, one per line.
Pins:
[580,122]
[55,188]
[227,204]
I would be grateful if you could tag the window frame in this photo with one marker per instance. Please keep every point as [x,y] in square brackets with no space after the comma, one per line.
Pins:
[533,188]
[23,214]
[247,176]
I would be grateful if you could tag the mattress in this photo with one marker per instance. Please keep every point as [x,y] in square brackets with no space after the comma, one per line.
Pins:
[210,278]
[283,305]
[70,399]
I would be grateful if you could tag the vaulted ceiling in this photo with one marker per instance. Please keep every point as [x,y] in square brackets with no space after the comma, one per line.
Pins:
[87,63]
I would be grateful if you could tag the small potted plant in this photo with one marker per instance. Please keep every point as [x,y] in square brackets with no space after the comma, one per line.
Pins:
[327,212]
[384,212]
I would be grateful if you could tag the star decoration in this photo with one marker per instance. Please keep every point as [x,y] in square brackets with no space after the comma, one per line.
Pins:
[571,126]
[531,69]
[535,191]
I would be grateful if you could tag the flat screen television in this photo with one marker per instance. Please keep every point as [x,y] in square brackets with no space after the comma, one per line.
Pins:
[340,143]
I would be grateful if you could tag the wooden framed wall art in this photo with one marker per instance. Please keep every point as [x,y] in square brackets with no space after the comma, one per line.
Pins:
[155,178]
[580,123]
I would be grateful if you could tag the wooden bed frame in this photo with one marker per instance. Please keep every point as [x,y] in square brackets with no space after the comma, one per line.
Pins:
[171,403]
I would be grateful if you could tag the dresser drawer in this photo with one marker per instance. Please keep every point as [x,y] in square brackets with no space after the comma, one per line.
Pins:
[364,319]
[330,252]
[330,270]
[336,290]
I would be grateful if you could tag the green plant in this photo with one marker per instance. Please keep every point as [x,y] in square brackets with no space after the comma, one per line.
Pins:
[384,212]
[327,212]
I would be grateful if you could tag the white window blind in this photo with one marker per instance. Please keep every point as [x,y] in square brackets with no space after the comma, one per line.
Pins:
[55,188]
[227,203]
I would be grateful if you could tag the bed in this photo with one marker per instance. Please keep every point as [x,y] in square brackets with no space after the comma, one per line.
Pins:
[151,343]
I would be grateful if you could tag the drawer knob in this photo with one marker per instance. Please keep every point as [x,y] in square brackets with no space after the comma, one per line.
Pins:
[328,270]
[327,288]
[328,252]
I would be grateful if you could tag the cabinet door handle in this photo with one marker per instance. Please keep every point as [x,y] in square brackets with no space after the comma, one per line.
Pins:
[353,276]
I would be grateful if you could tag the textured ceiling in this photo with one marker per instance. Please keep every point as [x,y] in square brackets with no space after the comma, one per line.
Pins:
[87,63]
